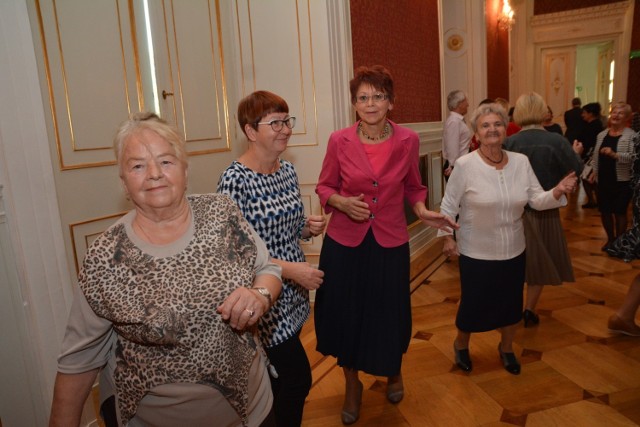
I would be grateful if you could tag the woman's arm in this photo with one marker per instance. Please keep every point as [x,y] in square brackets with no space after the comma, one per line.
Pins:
[354,207]
[434,219]
[69,394]
[301,272]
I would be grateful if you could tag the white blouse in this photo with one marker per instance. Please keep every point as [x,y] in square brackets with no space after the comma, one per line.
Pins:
[490,204]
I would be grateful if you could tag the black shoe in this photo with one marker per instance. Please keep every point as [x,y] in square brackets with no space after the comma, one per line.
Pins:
[589,205]
[463,361]
[509,361]
[530,317]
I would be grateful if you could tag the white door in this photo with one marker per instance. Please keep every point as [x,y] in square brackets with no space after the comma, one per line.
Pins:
[558,79]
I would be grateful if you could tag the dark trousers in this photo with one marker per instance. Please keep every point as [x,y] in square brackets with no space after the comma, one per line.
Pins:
[292,386]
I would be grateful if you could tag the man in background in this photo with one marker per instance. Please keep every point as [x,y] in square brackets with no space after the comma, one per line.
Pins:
[456,137]
[573,120]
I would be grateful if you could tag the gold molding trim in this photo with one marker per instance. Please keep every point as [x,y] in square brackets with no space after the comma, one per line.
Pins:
[223,86]
[63,165]
[136,57]
[74,225]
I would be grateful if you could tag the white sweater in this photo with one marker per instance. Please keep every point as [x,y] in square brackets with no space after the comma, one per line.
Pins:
[490,203]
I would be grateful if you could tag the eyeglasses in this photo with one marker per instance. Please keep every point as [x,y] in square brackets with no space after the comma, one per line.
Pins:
[377,97]
[278,124]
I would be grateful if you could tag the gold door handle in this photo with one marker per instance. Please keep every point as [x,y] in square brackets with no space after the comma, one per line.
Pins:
[165,94]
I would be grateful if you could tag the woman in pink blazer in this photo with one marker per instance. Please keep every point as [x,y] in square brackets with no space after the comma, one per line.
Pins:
[362,310]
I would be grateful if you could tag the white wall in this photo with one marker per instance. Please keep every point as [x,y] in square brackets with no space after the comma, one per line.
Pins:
[586,73]
[38,278]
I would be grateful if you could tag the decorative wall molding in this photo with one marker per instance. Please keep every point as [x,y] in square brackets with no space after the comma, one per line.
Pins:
[591,22]
[614,10]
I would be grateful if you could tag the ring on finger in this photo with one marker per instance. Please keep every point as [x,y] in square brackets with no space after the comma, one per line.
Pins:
[251,312]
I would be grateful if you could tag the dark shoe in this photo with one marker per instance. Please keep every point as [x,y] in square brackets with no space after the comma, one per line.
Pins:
[463,361]
[395,390]
[589,205]
[617,325]
[350,414]
[509,361]
[605,247]
[530,317]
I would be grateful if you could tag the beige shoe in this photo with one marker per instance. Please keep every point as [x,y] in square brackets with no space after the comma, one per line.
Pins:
[352,401]
[620,326]
[395,389]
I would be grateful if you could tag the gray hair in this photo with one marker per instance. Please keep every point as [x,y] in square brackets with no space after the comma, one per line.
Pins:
[454,99]
[485,109]
[138,122]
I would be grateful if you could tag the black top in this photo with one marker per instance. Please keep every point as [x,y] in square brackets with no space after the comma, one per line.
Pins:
[554,128]
[574,123]
[588,137]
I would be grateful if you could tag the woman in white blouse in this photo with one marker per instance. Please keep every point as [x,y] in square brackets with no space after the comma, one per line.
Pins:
[488,190]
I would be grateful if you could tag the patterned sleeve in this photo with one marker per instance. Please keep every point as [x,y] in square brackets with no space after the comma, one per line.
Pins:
[232,183]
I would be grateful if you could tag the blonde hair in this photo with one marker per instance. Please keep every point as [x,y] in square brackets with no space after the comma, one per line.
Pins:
[530,109]
[504,103]
[626,108]
[145,120]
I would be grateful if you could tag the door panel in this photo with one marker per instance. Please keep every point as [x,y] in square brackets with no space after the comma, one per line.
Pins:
[192,73]
[91,75]
[558,75]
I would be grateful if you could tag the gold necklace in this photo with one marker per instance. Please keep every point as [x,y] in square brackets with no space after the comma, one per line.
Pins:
[491,160]
[383,135]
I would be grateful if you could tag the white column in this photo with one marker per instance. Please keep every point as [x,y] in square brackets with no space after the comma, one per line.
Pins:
[41,290]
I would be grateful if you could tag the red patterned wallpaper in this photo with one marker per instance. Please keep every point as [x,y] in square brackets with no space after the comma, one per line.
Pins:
[497,53]
[633,87]
[403,36]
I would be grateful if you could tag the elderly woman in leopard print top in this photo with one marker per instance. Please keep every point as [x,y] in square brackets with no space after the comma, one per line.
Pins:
[167,301]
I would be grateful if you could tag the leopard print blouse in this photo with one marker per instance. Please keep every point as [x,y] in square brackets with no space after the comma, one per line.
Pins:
[164,309]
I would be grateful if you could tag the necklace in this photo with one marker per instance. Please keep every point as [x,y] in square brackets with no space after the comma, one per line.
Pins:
[383,135]
[490,159]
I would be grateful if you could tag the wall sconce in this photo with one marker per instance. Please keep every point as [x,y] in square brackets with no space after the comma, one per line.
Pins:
[506,19]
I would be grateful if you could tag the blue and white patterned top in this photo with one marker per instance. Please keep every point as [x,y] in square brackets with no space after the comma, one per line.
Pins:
[273,206]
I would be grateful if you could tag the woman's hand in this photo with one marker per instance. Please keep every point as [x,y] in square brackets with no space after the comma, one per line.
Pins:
[354,207]
[243,308]
[305,275]
[450,247]
[316,224]
[567,185]
[577,146]
[434,219]
[607,151]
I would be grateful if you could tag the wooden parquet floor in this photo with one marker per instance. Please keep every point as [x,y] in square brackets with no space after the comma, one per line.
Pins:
[574,372]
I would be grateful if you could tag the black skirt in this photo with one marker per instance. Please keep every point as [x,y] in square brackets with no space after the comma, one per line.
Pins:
[491,293]
[363,308]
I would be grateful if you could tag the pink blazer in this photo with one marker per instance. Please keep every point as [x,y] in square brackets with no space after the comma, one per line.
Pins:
[346,171]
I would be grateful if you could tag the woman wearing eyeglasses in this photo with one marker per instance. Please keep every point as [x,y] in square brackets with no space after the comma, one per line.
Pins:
[363,311]
[266,189]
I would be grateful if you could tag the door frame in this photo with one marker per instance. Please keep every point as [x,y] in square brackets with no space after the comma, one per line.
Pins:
[533,33]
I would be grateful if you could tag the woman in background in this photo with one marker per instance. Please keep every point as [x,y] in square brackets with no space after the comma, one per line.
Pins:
[588,135]
[363,309]
[548,124]
[547,255]
[612,159]
[266,189]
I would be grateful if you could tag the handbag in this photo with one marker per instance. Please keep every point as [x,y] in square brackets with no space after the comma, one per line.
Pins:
[588,168]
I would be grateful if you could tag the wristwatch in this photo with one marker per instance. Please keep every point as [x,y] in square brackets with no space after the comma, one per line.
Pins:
[265,293]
